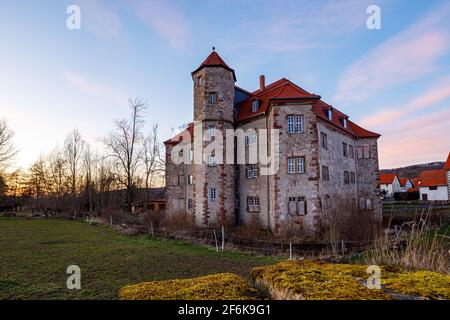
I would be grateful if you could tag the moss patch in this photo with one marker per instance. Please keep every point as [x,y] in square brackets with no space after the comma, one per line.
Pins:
[316,280]
[420,283]
[225,286]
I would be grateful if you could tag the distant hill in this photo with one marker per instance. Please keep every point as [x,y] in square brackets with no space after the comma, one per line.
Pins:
[414,170]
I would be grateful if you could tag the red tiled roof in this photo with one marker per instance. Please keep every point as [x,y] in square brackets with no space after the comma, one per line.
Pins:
[387,178]
[415,181]
[447,164]
[403,181]
[284,89]
[214,60]
[433,178]
[185,134]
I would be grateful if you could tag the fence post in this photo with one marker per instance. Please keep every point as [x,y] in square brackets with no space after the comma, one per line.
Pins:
[223,238]
[110,221]
[215,238]
[151,229]
[290,250]
[343,247]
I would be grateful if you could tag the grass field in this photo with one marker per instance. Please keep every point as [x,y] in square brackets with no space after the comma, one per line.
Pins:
[34,256]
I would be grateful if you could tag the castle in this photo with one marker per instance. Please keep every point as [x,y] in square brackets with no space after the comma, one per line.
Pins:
[320,156]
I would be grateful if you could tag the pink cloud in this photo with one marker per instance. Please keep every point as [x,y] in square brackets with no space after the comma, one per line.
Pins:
[390,115]
[422,139]
[408,56]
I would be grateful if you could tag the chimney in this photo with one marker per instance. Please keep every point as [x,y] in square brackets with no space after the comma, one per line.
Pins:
[262,82]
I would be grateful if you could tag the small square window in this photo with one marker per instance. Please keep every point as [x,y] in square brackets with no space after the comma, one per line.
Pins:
[324,140]
[212,194]
[190,179]
[190,204]
[199,81]
[213,98]
[325,173]
[255,106]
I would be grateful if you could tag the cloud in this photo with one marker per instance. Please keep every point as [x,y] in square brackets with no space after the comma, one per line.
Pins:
[420,140]
[297,26]
[389,116]
[92,88]
[408,56]
[164,19]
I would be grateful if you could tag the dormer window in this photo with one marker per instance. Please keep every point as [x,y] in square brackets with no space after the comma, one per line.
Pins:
[330,114]
[213,98]
[344,122]
[255,106]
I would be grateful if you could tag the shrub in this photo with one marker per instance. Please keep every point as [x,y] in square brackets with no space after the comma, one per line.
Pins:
[225,286]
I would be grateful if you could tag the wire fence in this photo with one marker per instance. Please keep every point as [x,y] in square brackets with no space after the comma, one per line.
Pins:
[220,240]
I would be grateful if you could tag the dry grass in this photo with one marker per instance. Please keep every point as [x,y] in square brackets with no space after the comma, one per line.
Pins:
[413,246]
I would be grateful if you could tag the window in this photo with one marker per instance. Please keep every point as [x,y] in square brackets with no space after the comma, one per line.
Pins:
[213,98]
[211,131]
[250,137]
[295,124]
[251,172]
[344,122]
[346,177]
[212,194]
[255,106]
[364,152]
[330,114]
[300,165]
[212,161]
[175,181]
[190,204]
[344,149]
[199,81]
[291,127]
[299,124]
[253,204]
[325,173]
[181,204]
[433,188]
[190,179]
[291,165]
[362,203]
[237,203]
[352,178]
[297,206]
[296,165]
[351,151]
[324,140]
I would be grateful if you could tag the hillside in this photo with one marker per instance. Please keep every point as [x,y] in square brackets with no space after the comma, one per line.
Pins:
[414,170]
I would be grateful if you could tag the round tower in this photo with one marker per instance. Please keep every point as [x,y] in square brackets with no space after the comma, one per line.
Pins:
[214,185]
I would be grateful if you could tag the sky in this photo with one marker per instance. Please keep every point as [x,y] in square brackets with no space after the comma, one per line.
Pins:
[394,80]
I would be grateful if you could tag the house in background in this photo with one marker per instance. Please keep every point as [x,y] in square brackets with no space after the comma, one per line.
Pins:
[433,185]
[389,184]
[405,184]
[447,169]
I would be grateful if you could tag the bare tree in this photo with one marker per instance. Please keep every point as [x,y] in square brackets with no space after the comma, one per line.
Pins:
[7,150]
[123,145]
[151,158]
[88,163]
[73,150]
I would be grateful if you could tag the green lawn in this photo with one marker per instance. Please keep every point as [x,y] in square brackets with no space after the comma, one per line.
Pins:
[34,256]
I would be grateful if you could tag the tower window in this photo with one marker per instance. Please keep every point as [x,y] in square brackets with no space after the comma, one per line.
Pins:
[213,98]
[199,81]
[255,106]
[253,204]
[212,194]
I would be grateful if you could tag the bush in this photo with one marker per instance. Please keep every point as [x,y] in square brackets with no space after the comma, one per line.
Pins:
[225,286]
